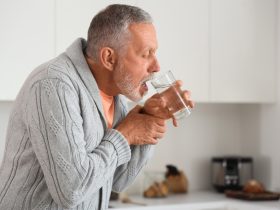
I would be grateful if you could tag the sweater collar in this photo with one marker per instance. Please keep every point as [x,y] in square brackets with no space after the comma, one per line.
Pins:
[76,55]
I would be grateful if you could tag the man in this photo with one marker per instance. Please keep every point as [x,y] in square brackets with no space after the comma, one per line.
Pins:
[70,140]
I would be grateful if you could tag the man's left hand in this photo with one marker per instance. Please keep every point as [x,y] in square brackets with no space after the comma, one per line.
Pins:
[156,106]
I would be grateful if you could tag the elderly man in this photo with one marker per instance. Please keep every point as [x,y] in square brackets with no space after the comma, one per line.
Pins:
[70,140]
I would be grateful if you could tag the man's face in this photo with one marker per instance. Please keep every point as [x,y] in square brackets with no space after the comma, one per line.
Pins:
[137,64]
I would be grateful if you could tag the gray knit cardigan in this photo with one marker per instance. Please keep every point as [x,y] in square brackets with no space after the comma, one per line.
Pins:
[59,152]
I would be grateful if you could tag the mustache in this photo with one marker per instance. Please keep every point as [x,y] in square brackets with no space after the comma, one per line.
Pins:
[150,77]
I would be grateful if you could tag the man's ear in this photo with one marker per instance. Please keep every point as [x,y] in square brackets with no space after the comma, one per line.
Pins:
[108,58]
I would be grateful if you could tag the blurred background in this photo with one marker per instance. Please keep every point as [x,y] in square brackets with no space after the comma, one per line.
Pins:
[225,51]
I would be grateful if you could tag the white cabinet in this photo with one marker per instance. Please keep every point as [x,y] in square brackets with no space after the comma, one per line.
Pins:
[182,31]
[242,50]
[73,19]
[26,40]
[223,50]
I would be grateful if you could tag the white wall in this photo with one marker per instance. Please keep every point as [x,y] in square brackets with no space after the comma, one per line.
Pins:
[261,132]
[210,130]
[261,139]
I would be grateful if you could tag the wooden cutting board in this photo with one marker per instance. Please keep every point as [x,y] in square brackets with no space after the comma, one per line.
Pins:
[252,196]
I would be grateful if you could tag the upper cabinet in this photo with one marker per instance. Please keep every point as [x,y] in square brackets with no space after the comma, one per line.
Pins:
[26,40]
[242,50]
[223,50]
[182,31]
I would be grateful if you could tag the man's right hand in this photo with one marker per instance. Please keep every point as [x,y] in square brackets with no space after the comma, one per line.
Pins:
[140,129]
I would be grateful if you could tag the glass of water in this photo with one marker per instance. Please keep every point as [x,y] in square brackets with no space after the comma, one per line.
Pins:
[171,93]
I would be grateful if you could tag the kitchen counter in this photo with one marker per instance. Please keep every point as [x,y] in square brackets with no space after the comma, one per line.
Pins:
[194,198]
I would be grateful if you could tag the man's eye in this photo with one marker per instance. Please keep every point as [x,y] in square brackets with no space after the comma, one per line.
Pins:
[146,55]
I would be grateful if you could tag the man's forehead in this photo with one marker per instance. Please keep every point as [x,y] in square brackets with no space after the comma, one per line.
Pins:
[144,33]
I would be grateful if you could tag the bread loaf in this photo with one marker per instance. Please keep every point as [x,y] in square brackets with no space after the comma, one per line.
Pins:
[253,186]
[156,190]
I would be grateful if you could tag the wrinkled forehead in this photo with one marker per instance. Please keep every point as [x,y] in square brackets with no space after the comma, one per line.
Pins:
[143,35]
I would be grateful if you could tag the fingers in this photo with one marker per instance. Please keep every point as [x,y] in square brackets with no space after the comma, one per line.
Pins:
[160,122]
[157,107]
[150,140]
[187,95]
[155,100]
[174,121]
[158,136]
[153,141]
[157,95]
[146,140]
[191,104]
[136,109]
[155,124]
[159,131]
[156,127]
[179,83]
[138,140]
[140,129]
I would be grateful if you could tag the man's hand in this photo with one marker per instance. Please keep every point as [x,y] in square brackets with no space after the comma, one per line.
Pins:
[156,106]
[140,129]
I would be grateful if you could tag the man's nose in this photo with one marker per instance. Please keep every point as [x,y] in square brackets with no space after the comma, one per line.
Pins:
[155,67]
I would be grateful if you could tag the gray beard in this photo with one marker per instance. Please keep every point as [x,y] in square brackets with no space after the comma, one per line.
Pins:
[125,84]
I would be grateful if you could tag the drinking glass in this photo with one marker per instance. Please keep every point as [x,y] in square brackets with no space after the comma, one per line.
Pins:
[165,85]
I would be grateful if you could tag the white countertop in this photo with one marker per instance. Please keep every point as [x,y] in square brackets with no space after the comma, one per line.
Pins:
[190,198]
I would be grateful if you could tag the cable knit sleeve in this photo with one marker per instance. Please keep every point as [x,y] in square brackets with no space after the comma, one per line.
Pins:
[126,173]
[54,122]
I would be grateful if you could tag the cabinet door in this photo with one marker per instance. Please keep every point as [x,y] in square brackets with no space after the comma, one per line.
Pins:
[182,31]
[26,40]
[243,50]
[73,19]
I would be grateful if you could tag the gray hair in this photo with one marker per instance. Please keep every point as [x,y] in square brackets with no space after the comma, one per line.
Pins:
[109,28]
